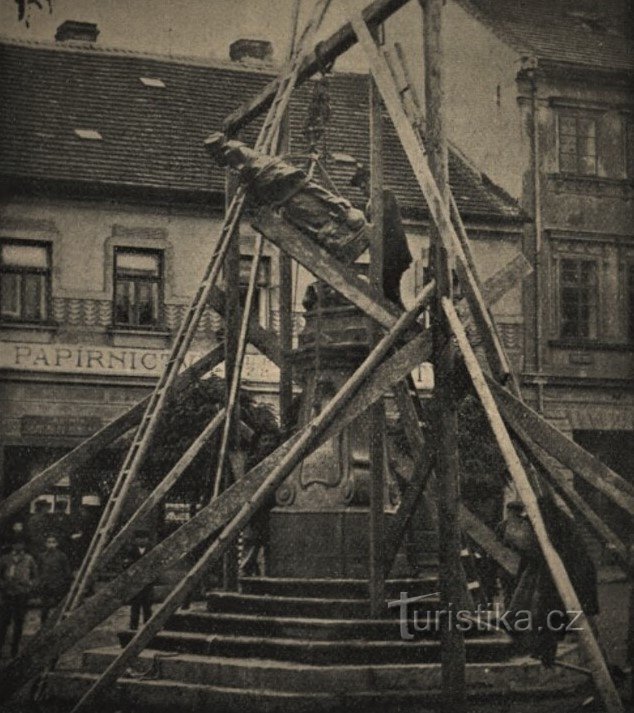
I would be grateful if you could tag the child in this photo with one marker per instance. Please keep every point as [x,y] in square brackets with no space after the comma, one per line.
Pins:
[18,578]
[55,576]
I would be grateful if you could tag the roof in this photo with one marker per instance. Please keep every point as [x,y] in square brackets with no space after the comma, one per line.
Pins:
[86,115]
[589,34]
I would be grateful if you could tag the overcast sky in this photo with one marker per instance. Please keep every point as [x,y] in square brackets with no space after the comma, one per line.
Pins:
[197,27]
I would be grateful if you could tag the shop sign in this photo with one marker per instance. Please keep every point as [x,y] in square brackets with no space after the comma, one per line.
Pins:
[114,361]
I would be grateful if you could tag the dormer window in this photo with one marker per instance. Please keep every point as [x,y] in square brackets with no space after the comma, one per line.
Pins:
[153,82]
[88,134]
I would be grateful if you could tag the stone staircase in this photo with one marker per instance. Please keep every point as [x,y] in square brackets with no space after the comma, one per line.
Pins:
[305,645]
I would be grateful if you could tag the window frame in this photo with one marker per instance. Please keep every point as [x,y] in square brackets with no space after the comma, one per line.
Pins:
[48,279]
[594,329]
[578,115]
[159,280]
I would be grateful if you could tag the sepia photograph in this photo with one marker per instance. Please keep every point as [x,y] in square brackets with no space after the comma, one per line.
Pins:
[316,356]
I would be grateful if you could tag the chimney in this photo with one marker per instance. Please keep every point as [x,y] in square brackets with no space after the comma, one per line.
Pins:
[77,31]
[261,50]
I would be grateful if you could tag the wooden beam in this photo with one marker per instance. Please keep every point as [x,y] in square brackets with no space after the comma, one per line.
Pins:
[600,673]
[325,267]
[485,538]
[570,495]
[376,515]
[76,459]
[46,646]
[438,207]
[262,339]
[410,499]
[327,51]
[451,579]
[564,449]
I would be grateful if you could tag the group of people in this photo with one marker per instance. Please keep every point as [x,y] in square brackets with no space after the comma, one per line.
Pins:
[25,573]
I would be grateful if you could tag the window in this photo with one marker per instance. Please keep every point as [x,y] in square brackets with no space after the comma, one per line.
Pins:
[25,281]
[577,144]
[138,290]
[578,298]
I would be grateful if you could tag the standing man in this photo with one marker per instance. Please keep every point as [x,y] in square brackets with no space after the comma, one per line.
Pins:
[18,579]
[55,576]
[142,602]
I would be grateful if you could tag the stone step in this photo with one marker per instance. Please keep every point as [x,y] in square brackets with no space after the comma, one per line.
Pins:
[267,674]
[169,696]
[309,628]
[309,607]
[334,588]
[493,647]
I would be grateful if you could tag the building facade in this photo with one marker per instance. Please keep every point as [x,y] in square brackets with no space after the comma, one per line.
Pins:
[110,211]
[549,92]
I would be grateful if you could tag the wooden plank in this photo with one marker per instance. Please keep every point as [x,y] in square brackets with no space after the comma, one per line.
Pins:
[76,459]
[505,279]
[600,673]
[261,338]
[564,449]
[451,576]
[376,514]
[397,526]
[331,48]
[485,538]
[572,497]
[45,647]
[438,209]
[325,267]
[155,497]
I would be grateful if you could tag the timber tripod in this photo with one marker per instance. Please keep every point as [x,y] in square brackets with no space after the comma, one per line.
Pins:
[526,441]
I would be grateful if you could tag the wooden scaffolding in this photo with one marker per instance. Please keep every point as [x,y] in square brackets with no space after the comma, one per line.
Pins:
[399,343]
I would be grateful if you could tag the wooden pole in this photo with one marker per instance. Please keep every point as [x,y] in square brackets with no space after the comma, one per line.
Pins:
[377,412]
[453,653]
[285,275]
[600,673]
[232,336]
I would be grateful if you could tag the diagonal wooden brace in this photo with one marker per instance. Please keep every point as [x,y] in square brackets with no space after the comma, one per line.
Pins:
[341,278]
[565,450]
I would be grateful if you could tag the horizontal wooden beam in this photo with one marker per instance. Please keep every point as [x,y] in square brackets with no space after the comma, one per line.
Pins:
[524,421]
[325,52]
[76,459]
[314,258]
[48,645]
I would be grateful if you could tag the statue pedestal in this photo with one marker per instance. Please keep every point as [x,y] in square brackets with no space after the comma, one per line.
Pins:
[319,527]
